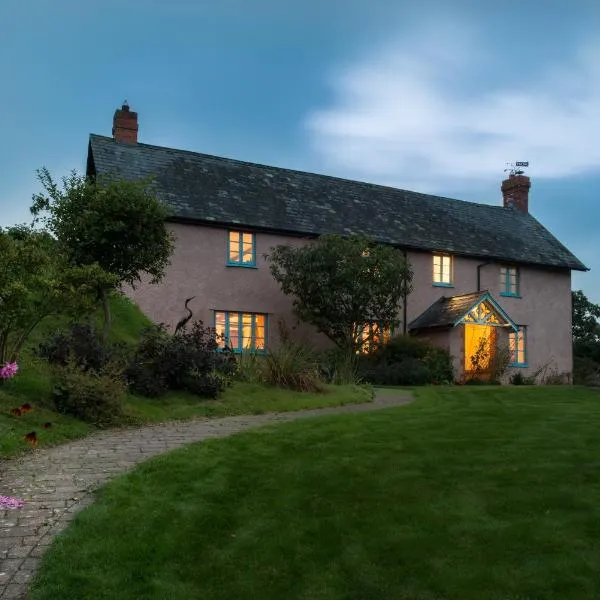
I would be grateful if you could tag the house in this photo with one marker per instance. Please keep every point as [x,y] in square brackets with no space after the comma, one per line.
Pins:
[481,272]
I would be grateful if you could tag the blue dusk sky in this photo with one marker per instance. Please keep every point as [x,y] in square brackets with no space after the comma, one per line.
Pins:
[429,96]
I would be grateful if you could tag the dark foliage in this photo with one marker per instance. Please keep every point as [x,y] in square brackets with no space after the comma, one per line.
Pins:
[586,371]
[339,284]
[81,346]
[519,379]
[407,371]
[188,360]
[406,360]
[292,365]
[94,397]
[586,340]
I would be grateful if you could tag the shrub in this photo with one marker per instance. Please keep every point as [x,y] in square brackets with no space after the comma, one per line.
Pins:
[94,397]
[403,346]
[187,360]
[439,363]
[209,385]
[586,371]
[250,367]
[555,377]
[80,345]
[406,360]
[337,367]
[593,380]
[519,379]
[407,371]
[292,365]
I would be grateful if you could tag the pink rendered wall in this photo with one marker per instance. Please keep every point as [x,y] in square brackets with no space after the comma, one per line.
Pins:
[198,268]
[544,306]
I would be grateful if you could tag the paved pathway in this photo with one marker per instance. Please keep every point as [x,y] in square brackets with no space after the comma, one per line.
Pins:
[57,482]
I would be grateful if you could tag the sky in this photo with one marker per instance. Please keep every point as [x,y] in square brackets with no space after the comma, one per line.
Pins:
[431,96]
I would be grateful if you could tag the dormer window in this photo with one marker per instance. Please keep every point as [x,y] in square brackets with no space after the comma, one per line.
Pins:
[442,270]
[241,249]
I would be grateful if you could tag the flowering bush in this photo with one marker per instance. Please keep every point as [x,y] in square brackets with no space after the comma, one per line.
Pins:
[10,502]
[9,370]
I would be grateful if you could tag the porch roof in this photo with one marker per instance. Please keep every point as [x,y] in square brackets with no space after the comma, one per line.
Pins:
[449,311]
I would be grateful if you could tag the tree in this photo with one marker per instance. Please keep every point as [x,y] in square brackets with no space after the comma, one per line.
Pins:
[119,225]
[36,281]
[339,284]
[586,315]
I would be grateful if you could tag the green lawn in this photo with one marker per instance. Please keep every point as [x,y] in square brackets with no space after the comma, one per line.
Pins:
[466,494]
[241,399]
[32,385]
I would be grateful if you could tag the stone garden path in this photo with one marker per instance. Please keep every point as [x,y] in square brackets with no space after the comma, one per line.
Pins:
[57,482]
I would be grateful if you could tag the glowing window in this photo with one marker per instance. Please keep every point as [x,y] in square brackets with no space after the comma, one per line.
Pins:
[517,346]
[241,249]
[241,331]
[442,269]
[509,281]
[371,336]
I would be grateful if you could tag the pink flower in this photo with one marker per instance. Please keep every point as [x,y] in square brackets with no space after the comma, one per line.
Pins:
[9,370]
[10,502]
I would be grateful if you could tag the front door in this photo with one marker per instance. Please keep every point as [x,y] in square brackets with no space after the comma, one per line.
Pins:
[480,345]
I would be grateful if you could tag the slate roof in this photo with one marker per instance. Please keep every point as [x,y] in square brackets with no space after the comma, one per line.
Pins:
[210,189]
[446,311]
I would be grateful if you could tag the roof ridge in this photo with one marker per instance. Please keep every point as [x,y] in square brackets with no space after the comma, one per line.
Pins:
[367,184]
[205,188]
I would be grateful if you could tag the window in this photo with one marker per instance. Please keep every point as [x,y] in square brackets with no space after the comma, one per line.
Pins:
[442,270]
[371,336]
[242,331]
[241,249]
[517,346]
[509,281]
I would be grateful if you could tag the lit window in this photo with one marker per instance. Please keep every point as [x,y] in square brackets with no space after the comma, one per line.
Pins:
[509,281]
[442,269]
[371,336]
[241,250]
[516,345]
[241,331]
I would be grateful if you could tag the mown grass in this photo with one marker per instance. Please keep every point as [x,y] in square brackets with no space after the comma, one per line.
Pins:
[33,385]
[241,399]
[464,494]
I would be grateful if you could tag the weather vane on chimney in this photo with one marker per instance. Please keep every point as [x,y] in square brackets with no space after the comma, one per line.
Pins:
[516,168]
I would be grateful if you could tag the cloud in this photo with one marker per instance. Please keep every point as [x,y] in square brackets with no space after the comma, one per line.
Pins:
[423,112]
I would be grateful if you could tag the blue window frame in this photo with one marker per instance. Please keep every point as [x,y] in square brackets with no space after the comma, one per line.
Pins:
[442,270]
[509,281]
[517,345]
[241,331]
[241,249]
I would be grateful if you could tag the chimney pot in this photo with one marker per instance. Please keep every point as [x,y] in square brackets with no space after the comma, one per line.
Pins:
[515,192]
[125,125]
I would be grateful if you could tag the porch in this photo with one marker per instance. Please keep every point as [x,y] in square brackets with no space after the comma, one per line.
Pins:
[474,328]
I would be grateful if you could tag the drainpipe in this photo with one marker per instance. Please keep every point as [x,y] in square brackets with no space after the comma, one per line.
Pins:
[404,302]
[487,262]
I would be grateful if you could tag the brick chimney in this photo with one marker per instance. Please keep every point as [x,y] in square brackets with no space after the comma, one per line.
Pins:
[515,191]
[125,125]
